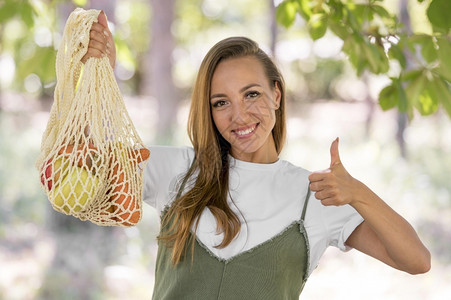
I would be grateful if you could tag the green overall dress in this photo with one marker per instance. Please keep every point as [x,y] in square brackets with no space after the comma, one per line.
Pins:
[276,269]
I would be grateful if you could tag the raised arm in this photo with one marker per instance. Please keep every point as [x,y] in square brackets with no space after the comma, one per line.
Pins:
[384,234]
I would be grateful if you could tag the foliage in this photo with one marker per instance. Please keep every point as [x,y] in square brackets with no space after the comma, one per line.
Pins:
[30,32]
[25,34]
[373,37]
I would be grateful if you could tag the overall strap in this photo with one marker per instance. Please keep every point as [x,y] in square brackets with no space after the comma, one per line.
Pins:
[306,202]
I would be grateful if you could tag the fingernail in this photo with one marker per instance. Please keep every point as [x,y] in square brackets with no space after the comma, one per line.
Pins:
[108,45]
[105,33]
[108,51]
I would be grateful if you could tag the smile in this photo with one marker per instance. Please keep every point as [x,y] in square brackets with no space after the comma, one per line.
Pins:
[245,132]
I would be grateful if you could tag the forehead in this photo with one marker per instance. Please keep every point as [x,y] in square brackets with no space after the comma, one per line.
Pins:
[238,71]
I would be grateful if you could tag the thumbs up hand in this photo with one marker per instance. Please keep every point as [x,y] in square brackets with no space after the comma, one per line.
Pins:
[334,186]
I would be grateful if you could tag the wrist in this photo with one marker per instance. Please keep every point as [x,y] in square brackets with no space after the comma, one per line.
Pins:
[361,194]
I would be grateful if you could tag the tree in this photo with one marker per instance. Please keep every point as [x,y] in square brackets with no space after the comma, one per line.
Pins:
[372,36]
[158,80]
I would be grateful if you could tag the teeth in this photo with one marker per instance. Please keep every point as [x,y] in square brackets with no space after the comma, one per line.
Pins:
[247,131]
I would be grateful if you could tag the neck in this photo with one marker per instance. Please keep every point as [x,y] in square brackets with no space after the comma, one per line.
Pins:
[265,155]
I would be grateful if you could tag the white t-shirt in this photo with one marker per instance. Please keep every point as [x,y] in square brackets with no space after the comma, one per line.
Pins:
[270,197]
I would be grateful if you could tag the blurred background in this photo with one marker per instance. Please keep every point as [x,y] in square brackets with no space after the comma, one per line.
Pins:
[404,157]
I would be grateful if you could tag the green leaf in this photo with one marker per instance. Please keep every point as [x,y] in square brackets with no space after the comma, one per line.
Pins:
[318,26]
[339,30]
[351,19]
[428,100]
[438,14]
[26,12]
[403,102]
[392,96]
[8,10]
[377,61]
[305,9]
[444,55]
[396,53]
[362,54]
[336,11]
[352,48]
[362,13]
[428,49]
[286,13]
[411,75]
[443,93]
[383,63]
[415,88]
[388,97]
[381,11]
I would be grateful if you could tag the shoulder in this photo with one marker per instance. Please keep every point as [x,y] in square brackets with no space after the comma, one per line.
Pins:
[292,172]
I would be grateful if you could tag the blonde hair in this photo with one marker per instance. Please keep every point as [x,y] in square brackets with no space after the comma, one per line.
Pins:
[210,187]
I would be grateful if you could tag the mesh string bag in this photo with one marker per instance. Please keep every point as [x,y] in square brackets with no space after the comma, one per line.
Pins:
[92,159]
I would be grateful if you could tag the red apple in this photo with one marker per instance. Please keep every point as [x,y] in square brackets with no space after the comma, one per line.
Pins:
[47,176]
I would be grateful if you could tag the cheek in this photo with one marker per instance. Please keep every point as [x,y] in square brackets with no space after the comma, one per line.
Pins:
[263,109]
[220,121]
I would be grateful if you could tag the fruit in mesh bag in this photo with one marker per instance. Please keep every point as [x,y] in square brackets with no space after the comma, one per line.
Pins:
[123,203]
[86,154]
[76,189]
[52,171]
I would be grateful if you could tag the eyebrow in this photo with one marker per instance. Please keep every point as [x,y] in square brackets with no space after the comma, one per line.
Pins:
[241,90]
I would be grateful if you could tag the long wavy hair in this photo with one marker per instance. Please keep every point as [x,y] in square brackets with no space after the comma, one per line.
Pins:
[208,176]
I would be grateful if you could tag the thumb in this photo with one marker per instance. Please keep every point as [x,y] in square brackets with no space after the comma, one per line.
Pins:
[102,19]
[334,155]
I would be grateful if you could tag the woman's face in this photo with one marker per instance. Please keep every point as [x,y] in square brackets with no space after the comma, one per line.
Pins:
[243,105]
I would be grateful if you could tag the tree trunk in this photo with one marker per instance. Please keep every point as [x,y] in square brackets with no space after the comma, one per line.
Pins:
[157,78]
[370,104]
[402,117]
[272,27]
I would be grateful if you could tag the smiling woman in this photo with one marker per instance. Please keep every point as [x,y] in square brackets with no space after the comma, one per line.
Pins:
[243,104]
[237,222]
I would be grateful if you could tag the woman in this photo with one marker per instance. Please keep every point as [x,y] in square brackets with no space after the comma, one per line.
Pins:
[237,221]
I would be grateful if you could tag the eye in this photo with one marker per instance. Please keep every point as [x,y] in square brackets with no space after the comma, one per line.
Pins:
[219,103]
[252,94]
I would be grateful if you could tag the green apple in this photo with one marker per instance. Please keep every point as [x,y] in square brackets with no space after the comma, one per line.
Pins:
[75,191]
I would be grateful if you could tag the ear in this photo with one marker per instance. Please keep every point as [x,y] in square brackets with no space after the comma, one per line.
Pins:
[277,95]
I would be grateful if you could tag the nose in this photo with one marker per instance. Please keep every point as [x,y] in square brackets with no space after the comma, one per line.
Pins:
[240,113]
